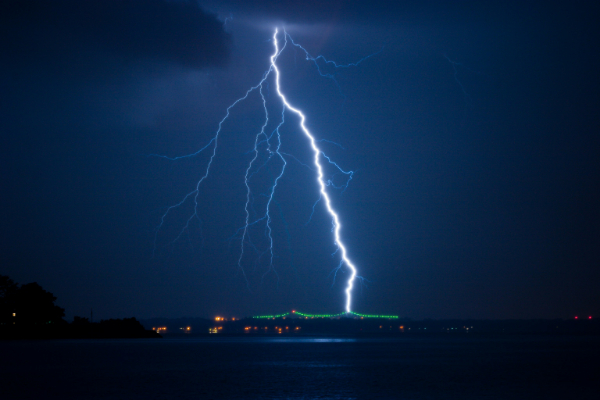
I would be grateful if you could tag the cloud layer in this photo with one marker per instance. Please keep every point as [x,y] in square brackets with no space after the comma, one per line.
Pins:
[67,31]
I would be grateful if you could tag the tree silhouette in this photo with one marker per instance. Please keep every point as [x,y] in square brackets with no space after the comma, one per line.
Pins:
[29,304]
[8,290]
[35,306]
[28,312]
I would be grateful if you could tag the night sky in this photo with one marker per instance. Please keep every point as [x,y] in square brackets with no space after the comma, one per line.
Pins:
[473,134]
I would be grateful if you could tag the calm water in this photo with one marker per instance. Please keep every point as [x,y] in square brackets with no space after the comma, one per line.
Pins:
[426,367]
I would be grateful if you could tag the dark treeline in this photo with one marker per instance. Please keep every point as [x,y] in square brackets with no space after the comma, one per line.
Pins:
[29,312]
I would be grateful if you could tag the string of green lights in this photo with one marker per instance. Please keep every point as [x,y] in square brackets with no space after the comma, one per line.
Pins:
[325,315]
[271,316]
[319,315]
[374,316]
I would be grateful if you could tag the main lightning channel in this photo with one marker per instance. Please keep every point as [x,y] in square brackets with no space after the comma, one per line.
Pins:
[325,196]
[274,152]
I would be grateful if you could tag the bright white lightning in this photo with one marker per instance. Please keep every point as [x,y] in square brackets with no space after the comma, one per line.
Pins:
[325,196]
[273,150]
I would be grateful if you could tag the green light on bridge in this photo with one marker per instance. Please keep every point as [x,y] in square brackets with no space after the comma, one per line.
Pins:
[325,315]
[374,316]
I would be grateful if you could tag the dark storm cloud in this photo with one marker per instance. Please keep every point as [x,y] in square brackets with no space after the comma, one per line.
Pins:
[64,33]
[371,12]
[290,11]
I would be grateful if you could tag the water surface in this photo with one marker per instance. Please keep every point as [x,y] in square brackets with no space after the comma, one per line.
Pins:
[408,367]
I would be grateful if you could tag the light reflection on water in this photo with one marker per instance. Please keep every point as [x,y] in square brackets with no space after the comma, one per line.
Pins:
[431,367]
[216,340]
[310,340]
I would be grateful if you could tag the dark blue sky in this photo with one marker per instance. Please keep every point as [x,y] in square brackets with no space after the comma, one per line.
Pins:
[476,184]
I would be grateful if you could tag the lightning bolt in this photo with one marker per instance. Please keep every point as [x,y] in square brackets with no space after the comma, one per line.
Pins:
[269,145]
[323,190]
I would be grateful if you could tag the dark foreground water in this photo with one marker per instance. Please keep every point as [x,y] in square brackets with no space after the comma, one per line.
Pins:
[409,367]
